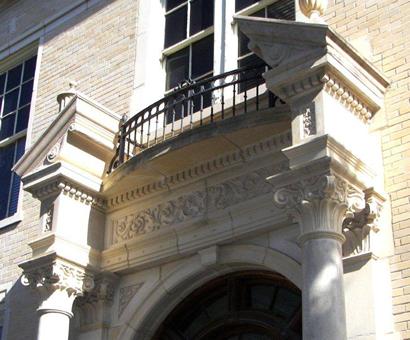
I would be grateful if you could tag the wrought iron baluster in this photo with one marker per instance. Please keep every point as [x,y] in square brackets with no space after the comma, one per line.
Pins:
[149,127]
[156,125]
[234,99]
[222,104]
[202,90]
[183,103]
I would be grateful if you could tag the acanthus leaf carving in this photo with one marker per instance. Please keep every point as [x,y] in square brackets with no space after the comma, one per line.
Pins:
[57,274]
[319,202]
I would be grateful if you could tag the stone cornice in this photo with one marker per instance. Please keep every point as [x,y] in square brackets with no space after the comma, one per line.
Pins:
[81,115]
[306,58]
[54,180]
[272,144]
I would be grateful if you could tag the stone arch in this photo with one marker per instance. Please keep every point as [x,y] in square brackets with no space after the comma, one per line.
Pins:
[192,273]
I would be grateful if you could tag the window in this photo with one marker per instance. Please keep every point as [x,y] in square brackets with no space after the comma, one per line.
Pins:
[16,87]
[193,60]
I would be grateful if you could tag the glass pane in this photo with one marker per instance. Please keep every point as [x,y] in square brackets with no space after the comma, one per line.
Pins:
[26,92]
[22,118]
[29,69]
[6,163]
[251,60]
[202,15]
[218,307]
[262,296]
[175,26]
[255,336]
[10,101]
[202,57]
[177,68]
[283,9]
[241,4]
[7,126]
[2,82]
[15,183]
[14,77]
[243,44]
[286,303]
[173,3]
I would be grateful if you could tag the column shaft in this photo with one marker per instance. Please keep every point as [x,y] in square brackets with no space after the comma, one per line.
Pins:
[53,325]
[324,315]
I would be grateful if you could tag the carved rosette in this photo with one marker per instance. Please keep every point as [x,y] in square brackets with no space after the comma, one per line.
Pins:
[59,275]
[319,203]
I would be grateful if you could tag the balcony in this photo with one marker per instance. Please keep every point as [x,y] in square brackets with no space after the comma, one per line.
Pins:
[235,105]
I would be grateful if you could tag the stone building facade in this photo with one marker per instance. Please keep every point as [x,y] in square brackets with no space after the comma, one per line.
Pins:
[297,201]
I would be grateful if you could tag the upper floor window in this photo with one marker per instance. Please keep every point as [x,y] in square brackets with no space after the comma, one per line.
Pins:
[188,27]
[185,18]
[16,87]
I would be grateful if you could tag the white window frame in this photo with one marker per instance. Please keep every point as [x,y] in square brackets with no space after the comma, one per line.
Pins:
[7,64]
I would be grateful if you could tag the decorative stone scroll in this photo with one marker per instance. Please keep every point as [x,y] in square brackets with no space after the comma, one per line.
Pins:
[359,228]
[193,205]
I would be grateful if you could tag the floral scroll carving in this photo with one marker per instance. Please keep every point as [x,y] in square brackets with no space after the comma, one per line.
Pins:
[193,205]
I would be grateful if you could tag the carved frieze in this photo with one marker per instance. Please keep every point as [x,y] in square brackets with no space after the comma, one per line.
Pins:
[193,205]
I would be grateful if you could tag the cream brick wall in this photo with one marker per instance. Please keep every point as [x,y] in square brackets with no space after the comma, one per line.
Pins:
[385,24]
[96,48]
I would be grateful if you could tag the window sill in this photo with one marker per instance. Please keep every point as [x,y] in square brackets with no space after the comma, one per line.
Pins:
[17,217]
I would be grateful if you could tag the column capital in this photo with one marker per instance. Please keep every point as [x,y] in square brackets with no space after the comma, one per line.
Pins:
[319,203]
[54,273]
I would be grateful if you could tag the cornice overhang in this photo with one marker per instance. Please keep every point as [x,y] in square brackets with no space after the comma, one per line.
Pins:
[306,57]
[82,116]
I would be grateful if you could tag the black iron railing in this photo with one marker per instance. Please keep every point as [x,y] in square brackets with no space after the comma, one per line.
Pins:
[191,105]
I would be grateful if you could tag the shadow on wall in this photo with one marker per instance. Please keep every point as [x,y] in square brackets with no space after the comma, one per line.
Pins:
[21,320]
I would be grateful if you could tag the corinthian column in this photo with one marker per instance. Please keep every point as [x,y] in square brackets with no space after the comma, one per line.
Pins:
[319,204]
[59,282]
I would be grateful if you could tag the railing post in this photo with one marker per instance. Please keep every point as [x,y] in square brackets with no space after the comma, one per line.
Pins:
[122,138]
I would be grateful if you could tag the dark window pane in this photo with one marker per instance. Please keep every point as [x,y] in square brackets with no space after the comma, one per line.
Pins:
[175,26]
[7,126]
[2,82]
[286,303]
[22,118]
[25,95]
[6,163]
[1,105]
[177,68]
[241,4]
[10,101]
[251,60]
[14,77]
[202,15]
[202,57]
[29,68]
[262,296]
[243,44]
[174,3]
[15,183]
[283,9]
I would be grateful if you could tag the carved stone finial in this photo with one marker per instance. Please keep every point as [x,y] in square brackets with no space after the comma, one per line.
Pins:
[64,98]
[313,9]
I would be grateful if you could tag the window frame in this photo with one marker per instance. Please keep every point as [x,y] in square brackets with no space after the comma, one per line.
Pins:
[188,42]
[7,64]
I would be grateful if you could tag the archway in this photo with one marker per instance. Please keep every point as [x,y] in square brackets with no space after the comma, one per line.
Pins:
[246,305]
